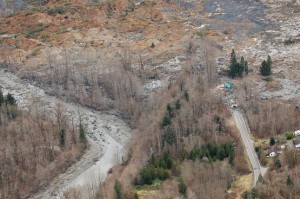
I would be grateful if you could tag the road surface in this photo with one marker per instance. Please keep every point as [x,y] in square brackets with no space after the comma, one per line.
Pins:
[243,128]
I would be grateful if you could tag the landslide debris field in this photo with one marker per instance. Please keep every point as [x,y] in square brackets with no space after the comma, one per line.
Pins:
[92,37]
[71,50]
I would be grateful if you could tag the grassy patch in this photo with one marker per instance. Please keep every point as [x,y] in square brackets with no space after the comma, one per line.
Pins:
[33,33]
[157,183]
[17,43]
[35,52]
[68,4]
[225,32]
[202,32]
[62,30]
[29,12]
[241,184]
[146,193]
[39,24]
[37,2]
[13,14]
[268,79]
[141,19]
[44,37]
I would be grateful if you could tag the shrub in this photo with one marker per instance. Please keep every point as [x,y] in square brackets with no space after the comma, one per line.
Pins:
[35,52]
[289,41]
[162,174]
[44,37]
[147,175]
[156,169]
[39,24]
[62,30]
[289,135]
[226,32]
[259,151]
[166,121]
[118,189]
[182,187]
[56,10]
[268,79]
[131,7]
[202,32]
[178,105]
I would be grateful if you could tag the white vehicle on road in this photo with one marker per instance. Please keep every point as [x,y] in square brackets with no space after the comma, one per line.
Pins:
[234,105]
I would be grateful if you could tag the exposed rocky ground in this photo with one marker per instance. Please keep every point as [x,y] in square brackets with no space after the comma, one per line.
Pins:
[154,38]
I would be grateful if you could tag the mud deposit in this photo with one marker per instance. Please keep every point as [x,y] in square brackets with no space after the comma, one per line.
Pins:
[236,12]
[106,133]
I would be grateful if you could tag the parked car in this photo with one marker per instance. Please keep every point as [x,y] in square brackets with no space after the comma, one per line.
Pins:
[297,133]
[297,143]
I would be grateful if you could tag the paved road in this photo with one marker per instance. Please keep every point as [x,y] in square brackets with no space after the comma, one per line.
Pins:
[243,128]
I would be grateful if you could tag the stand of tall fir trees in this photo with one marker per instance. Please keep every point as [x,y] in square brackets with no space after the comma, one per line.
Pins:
[237,69]
[266,67]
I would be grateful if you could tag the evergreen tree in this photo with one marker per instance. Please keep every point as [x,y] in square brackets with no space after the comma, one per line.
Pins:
[1,97]
[242,67]
[166,120]
[289,181]
[242,62]
[178,105]
[231,155]
[245,195]
[246,68]
[233,60]
[170,110]
[186,95]
[254,193]
[182,186]
[221,153]
[236,68]
[169,136]
[277,163]
[265,68]
[9,99]
[233,64]
[82,137]
[62,138]
[269,61]
[272,141]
